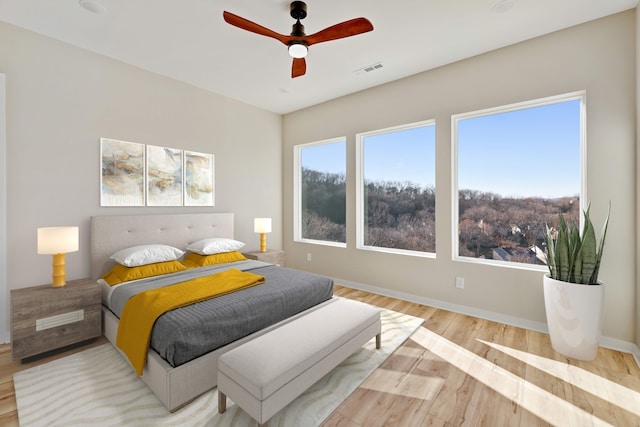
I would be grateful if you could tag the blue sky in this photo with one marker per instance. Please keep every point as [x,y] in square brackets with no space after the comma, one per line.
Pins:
[529,152]
[522,153]
[403,156]
[331,158]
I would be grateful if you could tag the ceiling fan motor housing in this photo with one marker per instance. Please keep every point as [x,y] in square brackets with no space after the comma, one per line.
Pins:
[297,30]
[298,10]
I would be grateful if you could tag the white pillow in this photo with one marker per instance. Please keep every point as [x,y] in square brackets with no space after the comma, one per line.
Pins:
[146,254]
[215,245]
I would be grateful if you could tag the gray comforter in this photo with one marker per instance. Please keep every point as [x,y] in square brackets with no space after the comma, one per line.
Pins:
[186,333]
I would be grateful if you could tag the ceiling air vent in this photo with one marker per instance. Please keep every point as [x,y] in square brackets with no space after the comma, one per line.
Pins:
[368,68]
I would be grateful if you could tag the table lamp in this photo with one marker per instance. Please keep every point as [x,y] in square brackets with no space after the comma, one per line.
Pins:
[58,241]
[262,226]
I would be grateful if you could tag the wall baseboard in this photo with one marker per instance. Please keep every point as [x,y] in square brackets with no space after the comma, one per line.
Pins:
[606,342]
[636,354]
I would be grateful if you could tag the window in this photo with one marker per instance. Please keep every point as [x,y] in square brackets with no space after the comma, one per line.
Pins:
[320,192]
[518,167]
[396,189]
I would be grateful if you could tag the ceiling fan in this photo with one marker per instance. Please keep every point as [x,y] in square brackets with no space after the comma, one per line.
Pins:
[298,42]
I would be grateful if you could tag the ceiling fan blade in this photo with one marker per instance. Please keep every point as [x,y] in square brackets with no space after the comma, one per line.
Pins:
[299,67]
[245,24]
[344,29]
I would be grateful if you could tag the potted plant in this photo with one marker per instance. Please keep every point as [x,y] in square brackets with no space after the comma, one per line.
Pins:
[573,295]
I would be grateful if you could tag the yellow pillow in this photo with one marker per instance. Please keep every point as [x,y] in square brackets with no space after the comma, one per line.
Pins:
[193,259]
[119,273]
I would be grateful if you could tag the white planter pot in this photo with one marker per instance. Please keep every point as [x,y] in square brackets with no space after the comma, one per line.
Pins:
[574,317]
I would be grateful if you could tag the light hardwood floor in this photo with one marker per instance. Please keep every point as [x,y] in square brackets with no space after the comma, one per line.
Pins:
[458,370]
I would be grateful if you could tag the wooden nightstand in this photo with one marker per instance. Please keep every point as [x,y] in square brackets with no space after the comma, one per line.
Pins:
[44,318]
[271,255]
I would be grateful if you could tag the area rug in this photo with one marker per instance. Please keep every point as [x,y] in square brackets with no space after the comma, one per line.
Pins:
[97,387]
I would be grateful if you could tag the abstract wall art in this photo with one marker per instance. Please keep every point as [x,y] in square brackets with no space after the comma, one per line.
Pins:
[122,173]
[164,176]
[198,179]
[135,174]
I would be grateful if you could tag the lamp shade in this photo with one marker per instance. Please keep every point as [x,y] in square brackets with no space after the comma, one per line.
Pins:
[262,225]
[57,240]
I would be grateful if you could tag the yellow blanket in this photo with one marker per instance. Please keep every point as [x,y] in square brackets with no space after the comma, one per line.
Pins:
[142,310]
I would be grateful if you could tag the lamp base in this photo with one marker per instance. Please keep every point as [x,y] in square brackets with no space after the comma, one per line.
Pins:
[58,271]
[263,242]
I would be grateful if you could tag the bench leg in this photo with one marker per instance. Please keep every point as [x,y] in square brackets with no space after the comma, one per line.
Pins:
[222,402]
[379,341]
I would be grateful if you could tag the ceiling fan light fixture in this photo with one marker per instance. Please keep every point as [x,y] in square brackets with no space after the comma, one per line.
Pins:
[298,50]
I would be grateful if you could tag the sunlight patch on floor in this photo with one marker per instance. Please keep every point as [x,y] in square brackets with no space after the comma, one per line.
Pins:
[603,388]
[413,352]
[534,399]
[403,384]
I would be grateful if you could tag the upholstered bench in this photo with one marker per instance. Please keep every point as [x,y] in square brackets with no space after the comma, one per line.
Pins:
[264,375]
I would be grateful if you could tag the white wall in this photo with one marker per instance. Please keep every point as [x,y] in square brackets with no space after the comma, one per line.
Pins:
[598,57]
[61,100]
[4,292]
[637,183]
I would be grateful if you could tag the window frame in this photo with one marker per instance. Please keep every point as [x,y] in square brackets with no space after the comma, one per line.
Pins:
[539,102]
[360,210]
[297,192]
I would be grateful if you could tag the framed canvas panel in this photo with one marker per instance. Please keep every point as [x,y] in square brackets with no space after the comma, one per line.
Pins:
[122,173]
[164,176]
[198,179]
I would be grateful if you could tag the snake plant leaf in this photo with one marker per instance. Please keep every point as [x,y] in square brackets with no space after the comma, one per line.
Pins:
[594,278]
[575,244]
[588,251]
[551,253]
[573,256]
[562,250]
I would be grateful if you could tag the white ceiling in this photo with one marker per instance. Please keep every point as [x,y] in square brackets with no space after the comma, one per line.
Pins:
[189,41]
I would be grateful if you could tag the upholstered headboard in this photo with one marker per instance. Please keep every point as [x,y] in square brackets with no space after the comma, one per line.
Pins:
[112,233]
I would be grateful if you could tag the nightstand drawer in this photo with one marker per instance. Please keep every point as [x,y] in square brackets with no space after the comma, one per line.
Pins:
[45,318]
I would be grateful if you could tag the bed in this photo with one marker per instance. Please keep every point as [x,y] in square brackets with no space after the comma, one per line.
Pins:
[176,378]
